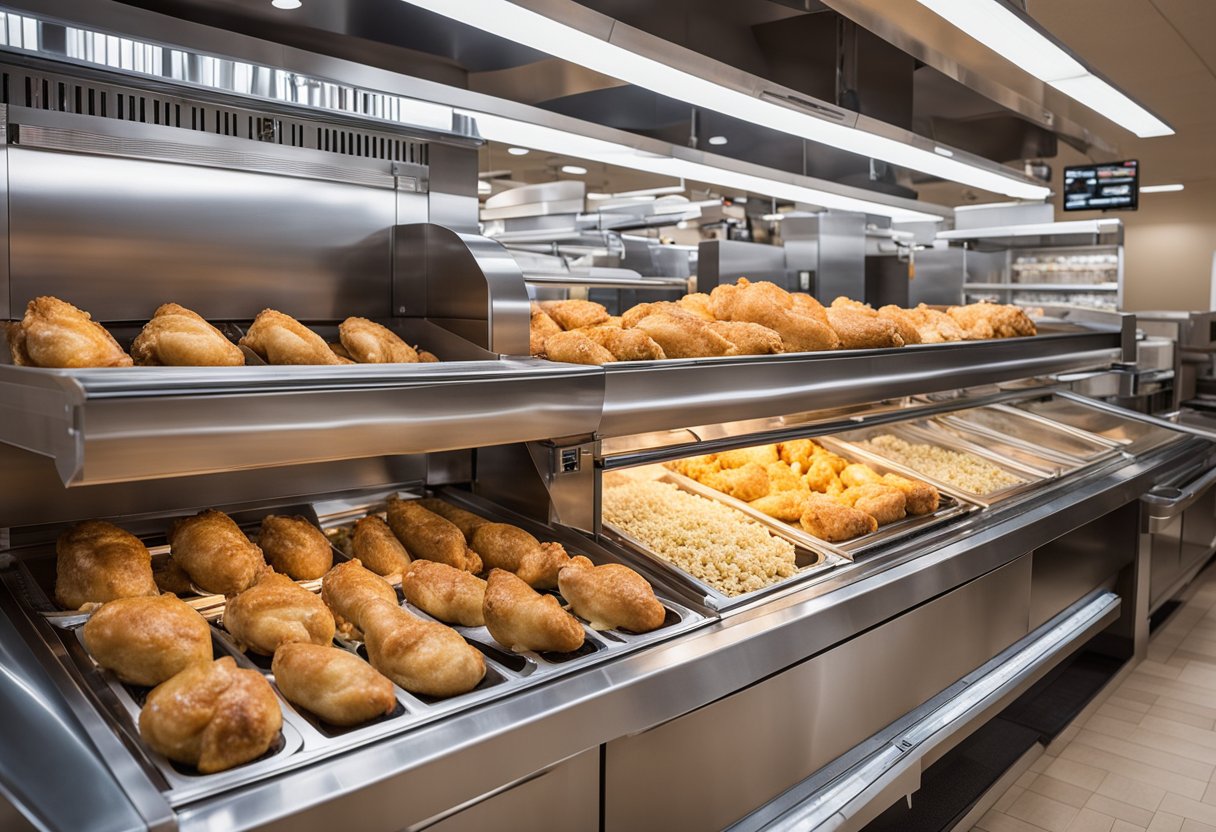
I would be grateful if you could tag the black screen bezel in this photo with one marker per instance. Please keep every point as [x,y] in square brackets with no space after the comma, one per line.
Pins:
[1135,203]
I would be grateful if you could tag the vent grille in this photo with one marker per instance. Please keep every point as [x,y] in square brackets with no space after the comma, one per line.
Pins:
[24,88]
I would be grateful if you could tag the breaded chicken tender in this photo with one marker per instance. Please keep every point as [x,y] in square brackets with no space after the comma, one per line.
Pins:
[842,302]
[934,326]
[178,337]
[861,330]
[575,314]
[697,467]
[884,503]
[992,320]
[540,327]
[903,322]
[787,506]
[749,338]
[368,342]
[828,520]
[54,333]
[281,339]
[797,451]
[747,483]
[631,316]
[625,344]
[858,473]
[761,455]
[576,347]
[683,336]
[807,305]
[771,306]
[781,477]
[698,304]
[821,473]
[921,497]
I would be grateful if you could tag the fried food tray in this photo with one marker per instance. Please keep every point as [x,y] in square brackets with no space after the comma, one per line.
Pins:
[305,738]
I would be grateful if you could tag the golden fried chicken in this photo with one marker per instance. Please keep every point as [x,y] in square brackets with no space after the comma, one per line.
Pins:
[347,589]
[697,304]
[54,333]
[295,547]
[466,521]
[212,715]
[631,316]
[625,344]
[974,322]
[684,336]
[747,483]
[749,338]
[828,520]
[281,339]
[884,503]
[171,578]
[781,477]
[576,347]
[842,302]
[807,305]
[215,553]
[760,454]
[368,342]
[341,351]
[575,314]
[611,596]
[507,547]
[148,639]
[427,357]
[771,306]
[427,535]
[992,320]
[921,498]
[821,473]
[904,322]
[858,473]
[540,327]
[787,506]
[377,548]
[797,452]
[934,326]
[424,657]
[177,337]
[863,330]
[337,686]
[277,611]
[522,619]
[444,592]
[696,467]
[96,561]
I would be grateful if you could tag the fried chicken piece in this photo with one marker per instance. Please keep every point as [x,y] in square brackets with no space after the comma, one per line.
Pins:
[466,521]
[841,302]
[781,477]
[295,547]
[424,657]
[921,498]
[884,503]
[747,483]
[749,338]
[54,333]
[337,686]
[697,304]
[171,578]
[510,548]
[177,337]
[540,327]
[96,561]
[276,611]
[787,506]
[934,326]
[521,619]
[828,520]
[212,715]
[683,336]
[368,342]
[215,553]
[760,454]
[340,351]
[281,339]
[575,314]
[992,320]
[821,473]
[347,589]
[807,305]
[427,357]
[611,596]
[576,347]
[904,322]
[427,535]
[147,640]
[378,549]
[696,467]
[631,316]
[861,331]
[858,473]
[974,322]
[444,592]
[797,452]
[625,344]
[771,306]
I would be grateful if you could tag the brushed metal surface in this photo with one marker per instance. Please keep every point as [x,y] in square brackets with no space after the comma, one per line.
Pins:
[725,261]
[788,726]
[842,255]
[5,288]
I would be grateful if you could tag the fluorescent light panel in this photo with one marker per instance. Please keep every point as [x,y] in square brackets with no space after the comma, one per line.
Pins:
[505,19]
[997,27]
[1160,189]
[552,140]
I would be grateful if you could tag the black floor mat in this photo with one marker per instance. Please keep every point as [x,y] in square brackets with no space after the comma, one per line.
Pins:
[1056,699]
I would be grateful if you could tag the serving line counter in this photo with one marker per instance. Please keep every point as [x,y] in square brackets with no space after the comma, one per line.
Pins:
[837,682]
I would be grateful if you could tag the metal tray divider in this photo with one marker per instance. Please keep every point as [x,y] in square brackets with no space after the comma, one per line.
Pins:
[974,434]
[1051,424]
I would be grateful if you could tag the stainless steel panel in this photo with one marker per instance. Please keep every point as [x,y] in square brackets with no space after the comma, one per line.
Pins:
[1034,432]
[1199,530]
[567,795]
[5,284]
[842,256]
[938,279]
[755,744]
[118,237]
[1128,430]
[725,261]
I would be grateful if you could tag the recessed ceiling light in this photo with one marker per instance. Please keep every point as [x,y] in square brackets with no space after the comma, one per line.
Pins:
[772,217]
[286,4]
[574,170]
[717,140]
[518,151]
[1160,189]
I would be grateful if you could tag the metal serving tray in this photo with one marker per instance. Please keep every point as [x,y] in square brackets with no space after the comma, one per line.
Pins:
[306,739]
[1031,478]
[1033,433]
[1129,434]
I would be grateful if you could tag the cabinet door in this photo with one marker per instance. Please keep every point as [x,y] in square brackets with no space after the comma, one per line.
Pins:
[1166,563]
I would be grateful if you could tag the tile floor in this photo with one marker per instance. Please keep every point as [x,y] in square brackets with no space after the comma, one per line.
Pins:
[1141,758]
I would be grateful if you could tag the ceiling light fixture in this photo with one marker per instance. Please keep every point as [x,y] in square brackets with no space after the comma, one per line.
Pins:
[513,22]
[717,141]
[574,170]
[287,5]
[1160,189]
[564,143]
[518,151]
[1016,38]
[665,190]
[772,217]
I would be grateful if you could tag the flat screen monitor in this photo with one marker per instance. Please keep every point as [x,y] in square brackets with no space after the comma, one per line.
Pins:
[1104,187]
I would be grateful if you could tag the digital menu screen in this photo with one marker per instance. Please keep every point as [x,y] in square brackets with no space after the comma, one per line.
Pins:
[1104,187]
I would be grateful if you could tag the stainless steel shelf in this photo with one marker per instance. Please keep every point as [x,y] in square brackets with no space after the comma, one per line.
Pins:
[1046,287]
